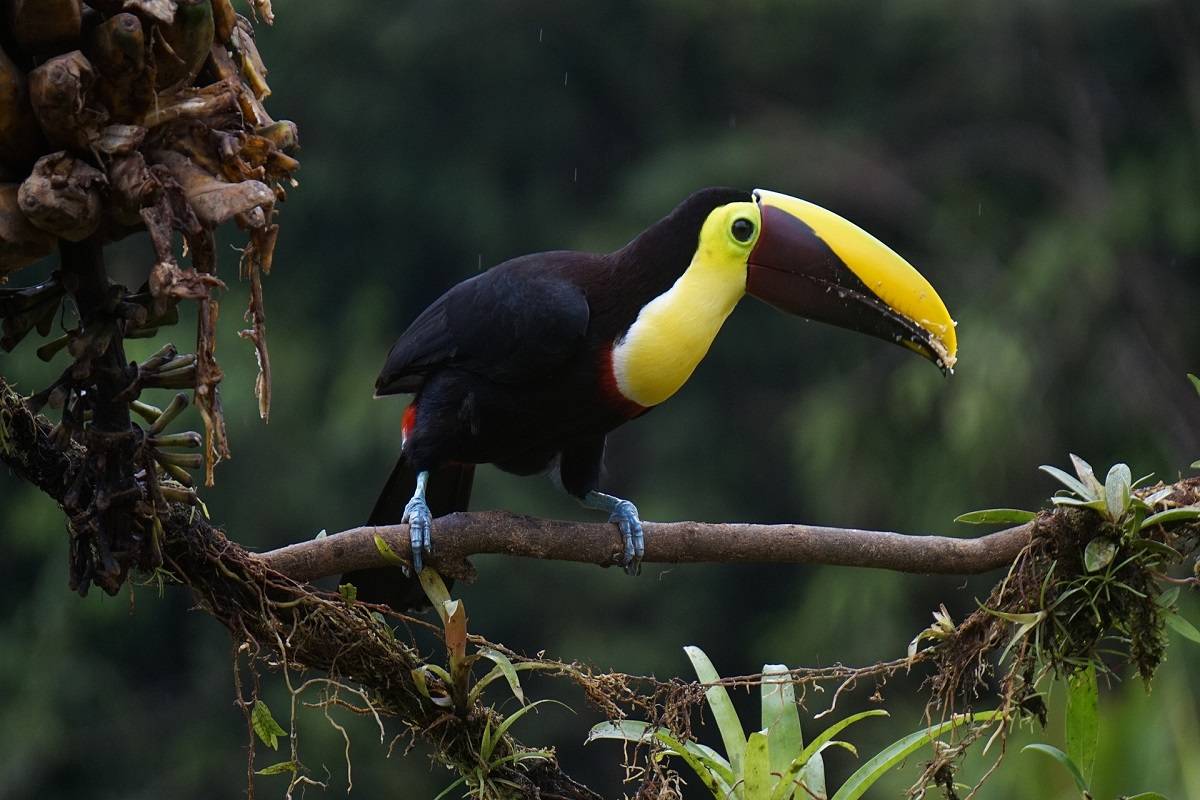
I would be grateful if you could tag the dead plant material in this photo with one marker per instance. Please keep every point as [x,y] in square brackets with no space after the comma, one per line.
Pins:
[20,137]
[146,118]
[21,242]
[161,11]
[45,27]
[60,92]
[183,45]
[62,196]
[213,200]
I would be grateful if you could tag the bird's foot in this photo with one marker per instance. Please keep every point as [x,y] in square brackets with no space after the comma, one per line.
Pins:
[420,525]
[625,515]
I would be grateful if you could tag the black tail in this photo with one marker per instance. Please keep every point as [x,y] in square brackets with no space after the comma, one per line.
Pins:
[449,490]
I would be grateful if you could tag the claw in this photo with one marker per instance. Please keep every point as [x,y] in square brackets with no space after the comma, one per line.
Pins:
[420,525]
[625,515]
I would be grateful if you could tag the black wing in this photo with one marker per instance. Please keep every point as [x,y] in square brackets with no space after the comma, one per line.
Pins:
[516,321]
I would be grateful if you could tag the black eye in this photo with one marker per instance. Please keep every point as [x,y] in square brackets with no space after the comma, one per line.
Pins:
[742,229]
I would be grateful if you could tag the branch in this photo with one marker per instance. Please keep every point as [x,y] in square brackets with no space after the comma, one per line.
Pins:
[457,536]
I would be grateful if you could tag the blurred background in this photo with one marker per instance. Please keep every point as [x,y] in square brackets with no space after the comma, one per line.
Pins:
[1038,162]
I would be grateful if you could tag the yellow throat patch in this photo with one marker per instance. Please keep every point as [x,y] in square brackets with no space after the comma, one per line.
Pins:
[673,332]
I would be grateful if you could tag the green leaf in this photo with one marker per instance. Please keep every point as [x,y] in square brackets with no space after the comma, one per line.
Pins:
[512,720]
[716,764]
[1070,481]
[1195,465]
[1099,506]
[812,753]
[1116,490]
[1195,382]
[625,730]
[1168,597]
[1159,549]
[780,718]
[869,773]
[418,675]
[451,788]
[705,761]
[1184,628]
[720,788]
[995,516]
[722,709]
[435,590]
[348,591]
[1142,480]
[1028,618]
[1086,474]
[291,767]
[265,725]
[1099,553]
[1083,725]
[1060,757]
[515,758]
[1146,796]
[1181,514]
[389,555]
[758,779]
[505,666]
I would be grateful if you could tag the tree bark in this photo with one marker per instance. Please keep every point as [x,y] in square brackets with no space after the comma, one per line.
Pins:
[457,536]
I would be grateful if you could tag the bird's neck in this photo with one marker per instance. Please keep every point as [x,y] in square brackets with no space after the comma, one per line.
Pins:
[673,332]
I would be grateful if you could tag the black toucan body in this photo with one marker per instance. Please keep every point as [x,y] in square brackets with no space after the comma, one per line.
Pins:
[532,363]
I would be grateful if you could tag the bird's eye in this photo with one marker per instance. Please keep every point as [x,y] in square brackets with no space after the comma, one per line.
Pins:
[742,229]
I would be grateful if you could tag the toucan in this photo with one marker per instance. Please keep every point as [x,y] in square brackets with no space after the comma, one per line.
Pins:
[530,364]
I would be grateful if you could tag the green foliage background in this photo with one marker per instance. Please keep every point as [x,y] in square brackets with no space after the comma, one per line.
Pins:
[1039,162]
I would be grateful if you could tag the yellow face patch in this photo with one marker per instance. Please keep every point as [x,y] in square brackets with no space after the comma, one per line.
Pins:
[673,332]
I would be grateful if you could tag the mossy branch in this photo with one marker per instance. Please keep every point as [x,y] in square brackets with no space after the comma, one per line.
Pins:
[457,536]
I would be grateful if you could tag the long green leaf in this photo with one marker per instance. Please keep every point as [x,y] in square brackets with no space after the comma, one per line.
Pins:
[716,763]
[512,718]
[710,780]
[1086,474]
[993,516]
[638,732]
[1147,796]
[866,776]
[291,767]
[1195,382]
[780,718]
[389,555]
[1062,758]
[1181,514]
[1168,597]
[1083,724]
[758,779]
[434,586]
[812,754]
[1070,481]
[1184,628]
[722,709]
[504,667]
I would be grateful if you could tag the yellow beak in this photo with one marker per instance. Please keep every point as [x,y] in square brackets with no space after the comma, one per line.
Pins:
[811,262]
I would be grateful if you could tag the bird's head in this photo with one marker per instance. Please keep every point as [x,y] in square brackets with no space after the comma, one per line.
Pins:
[808,261]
